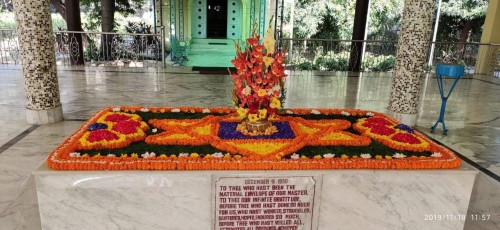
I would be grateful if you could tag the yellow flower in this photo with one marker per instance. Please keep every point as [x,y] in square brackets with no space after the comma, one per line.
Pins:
[123,155]
[261,92]
[237,156]
[269,41]
[134,155]
[85,155]
[242,112]
[194,155]
[343,156]
[275,103]
[163,156]
[268,60]
[97,155]
[378,157]
[388,157]
[253,117]
[227,155]
[262,113]
[317,157]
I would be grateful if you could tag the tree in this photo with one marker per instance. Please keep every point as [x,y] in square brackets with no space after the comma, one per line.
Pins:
[461,18]
[6,5]
[74,23]
[385,18]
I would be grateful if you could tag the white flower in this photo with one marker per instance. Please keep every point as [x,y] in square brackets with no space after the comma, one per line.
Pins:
[154,130]
[74,154]
[365,156]
[315,112]
[289,112]
[218,155]
[276,87]
[436,154]
[183,154]
[370,114]
[111,155]
[246,91]
[398,155]
[328,155]
[206,111]
[144,110]
[295,156]
[345,113]
[148,155]
[116,109]
[175,110]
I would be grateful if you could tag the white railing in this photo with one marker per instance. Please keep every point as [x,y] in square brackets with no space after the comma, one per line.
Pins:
[98,48]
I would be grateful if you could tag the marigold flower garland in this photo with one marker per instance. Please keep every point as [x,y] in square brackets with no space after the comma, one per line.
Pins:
[67,156]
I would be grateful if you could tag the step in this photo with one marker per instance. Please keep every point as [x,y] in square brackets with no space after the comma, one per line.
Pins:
[208,40]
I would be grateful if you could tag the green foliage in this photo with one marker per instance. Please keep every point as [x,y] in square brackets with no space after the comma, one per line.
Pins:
[465,9]
[459,18]
[332,61]
[385,17]
[93,9]
[381,63]
[7,21]
[301,63]
[334,19]
[5,6]
[318,17]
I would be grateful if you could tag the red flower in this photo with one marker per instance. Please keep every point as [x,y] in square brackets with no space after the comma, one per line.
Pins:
[101,134]
[406,138]
[253,41]
[116,117]
[257,54]
[126,127]
[378,120]
[382,130]
[279,58]
[259,48]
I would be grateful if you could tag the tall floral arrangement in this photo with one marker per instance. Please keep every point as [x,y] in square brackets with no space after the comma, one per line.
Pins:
[259,77]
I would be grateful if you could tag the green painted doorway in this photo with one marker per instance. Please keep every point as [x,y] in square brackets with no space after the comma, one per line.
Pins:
[217,19]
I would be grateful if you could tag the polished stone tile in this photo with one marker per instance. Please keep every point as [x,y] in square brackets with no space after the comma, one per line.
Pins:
[472,115]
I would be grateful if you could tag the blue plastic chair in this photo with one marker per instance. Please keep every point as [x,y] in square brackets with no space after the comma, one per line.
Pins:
[452,71]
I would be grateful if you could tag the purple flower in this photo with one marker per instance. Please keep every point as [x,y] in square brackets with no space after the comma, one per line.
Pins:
[404,128]
[97,126]
[227,130]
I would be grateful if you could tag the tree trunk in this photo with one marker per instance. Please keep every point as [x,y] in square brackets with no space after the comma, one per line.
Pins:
[60,8]
[464,35]
[107,19]
[358,33]
[74,23]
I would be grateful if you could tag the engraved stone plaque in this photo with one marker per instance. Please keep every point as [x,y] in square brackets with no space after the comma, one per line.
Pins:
[264,203]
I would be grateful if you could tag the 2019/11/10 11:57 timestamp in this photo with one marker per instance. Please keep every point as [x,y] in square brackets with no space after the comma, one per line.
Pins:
[462,217]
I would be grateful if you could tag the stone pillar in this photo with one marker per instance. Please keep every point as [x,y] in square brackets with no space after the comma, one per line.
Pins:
[413,43]
[487,56]
[36,42]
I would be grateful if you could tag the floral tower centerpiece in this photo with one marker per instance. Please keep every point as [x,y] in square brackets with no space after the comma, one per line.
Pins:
[259,83]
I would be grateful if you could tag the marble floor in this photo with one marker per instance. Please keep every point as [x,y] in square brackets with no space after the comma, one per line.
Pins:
[472,117]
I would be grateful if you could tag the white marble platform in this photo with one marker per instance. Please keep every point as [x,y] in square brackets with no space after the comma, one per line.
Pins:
[343,199]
